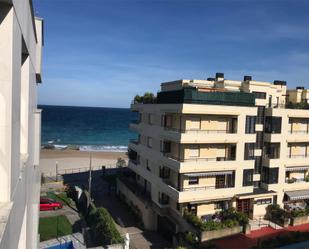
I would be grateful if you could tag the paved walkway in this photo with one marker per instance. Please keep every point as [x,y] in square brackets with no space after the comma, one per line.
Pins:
[242,241]
[126,223]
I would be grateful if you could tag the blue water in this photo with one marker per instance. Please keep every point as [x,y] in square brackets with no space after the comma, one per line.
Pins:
[66,245]
[91,128]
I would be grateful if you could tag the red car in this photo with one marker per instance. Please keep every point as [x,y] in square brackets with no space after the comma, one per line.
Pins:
[49,204]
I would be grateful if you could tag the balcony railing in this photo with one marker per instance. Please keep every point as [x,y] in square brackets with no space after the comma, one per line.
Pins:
[135,161]
[202,188]
[163,201]
[298,156]
[135,121]
[199,131]
[294,180]
[134,141]
[299,132]
[206,159]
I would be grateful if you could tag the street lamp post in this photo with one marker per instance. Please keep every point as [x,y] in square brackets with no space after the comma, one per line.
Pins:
[56,171]
[90,177]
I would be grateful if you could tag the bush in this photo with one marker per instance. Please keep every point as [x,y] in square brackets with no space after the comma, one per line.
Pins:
[103,227]
[148,98]
[276,214]
[229,218]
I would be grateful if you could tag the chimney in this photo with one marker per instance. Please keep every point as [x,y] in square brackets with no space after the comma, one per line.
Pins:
[247,78]
[219,76]
[300,88]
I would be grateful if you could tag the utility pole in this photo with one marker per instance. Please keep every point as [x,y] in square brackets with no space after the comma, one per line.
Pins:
[56,171]
[90,178]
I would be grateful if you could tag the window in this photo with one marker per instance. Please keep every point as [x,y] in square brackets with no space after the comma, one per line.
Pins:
[260,115]
[273,124]
[193,180]
[148,165]
[166,146]
[263,201]
[149,142]
[194,151]
[247,177]
[150,119]
[164,172]
[168,121]
[259,95]
[192,208]
[270,175]
[272,150]
[250,124]
[258,164]
[219,205]
[249,151]
[259,140]
[195,123]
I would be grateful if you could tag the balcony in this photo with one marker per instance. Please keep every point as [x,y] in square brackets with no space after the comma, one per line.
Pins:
[199,159]
[203,188]
[298,156]
[192,95]
[134,141]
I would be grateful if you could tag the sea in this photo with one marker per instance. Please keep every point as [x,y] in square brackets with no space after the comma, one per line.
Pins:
[87,128]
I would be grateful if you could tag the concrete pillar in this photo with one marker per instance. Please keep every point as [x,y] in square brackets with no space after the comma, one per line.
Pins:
[10,74]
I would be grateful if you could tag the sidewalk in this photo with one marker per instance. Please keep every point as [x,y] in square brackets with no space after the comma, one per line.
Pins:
[242,241]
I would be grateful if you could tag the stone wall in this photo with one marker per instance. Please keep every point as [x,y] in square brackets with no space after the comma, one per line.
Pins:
[210,235]
[148,215]
[299,220]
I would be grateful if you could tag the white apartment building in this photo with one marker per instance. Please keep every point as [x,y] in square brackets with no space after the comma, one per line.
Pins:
[206,145]
[21,41]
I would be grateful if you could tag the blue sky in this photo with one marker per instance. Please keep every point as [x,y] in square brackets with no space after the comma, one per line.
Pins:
[103,53]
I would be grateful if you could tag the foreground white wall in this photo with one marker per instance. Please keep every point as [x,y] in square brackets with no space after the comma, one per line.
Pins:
[20,125]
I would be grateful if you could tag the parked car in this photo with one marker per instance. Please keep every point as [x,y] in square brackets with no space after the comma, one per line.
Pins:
[49,204]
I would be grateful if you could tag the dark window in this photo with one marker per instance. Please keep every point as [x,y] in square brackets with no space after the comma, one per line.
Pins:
[270,175]
[250,124]
[193,180]
[247,177]
[259,95]
[263,201]
[258,164]
[256,184]
[273,124]
[260,115]
[272,150]
[249,151]
[166,147]
[219,205]
[192,208]
[164,172]
[259,140]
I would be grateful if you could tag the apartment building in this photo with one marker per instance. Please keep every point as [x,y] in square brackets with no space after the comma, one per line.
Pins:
[207,145]
[21,41]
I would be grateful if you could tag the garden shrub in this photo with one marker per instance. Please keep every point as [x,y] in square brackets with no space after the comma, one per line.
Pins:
[103,227]
[228,219]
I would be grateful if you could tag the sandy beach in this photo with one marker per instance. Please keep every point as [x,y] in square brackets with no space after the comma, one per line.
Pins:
[75,160]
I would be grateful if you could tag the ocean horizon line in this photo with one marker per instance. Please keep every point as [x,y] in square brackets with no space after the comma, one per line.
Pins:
[75,106]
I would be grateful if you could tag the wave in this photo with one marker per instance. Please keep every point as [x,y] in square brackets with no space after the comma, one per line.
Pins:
[104,148]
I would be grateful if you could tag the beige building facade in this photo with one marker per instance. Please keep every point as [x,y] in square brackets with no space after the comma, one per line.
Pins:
[207,145]
[21,41]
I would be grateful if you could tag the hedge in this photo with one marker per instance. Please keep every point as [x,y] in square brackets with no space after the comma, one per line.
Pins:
[229,218]
[103,227]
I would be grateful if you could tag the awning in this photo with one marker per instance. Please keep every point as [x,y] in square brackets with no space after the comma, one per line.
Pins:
[297,168]
[298,195]
[213,173]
